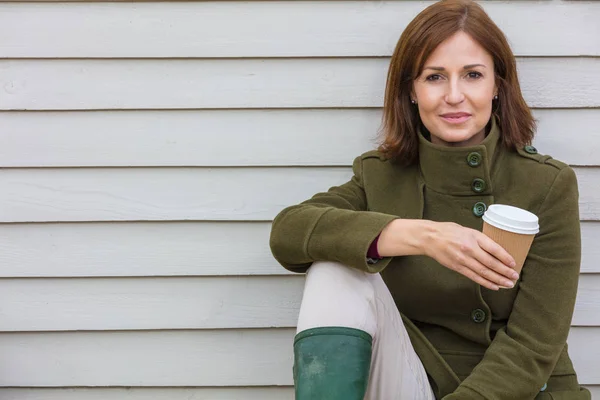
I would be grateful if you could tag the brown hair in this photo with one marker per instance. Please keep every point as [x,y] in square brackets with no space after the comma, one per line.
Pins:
[423,34]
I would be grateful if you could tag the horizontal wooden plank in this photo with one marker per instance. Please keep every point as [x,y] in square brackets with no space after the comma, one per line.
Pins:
[154,303]
[162,249]
[589,192]
[142,194]
[246,357]
[553,135]
[595,390]
[590,251]
[137,249]
[253,83]
[587,307]
[270,28]
[184,358]
[189,138]
[157,194]
[248,393]
[284,393]
[181,303]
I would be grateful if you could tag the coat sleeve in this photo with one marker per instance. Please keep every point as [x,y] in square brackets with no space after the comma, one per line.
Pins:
[331,226]
[523,354]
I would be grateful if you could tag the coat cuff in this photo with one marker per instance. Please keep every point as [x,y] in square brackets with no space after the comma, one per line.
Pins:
[349,241]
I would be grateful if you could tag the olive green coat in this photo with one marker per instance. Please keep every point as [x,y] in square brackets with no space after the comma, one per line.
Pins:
[474,343]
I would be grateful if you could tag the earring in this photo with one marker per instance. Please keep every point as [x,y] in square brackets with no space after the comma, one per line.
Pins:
[413,101]
[496,97]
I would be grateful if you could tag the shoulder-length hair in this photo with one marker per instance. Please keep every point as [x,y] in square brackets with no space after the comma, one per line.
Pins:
[423,34]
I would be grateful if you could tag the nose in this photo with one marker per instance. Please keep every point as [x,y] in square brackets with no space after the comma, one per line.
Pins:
[454,93]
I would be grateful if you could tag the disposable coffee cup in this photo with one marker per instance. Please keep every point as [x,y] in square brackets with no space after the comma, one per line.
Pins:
[512,228]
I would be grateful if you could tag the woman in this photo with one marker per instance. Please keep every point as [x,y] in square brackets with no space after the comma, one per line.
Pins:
[405,298]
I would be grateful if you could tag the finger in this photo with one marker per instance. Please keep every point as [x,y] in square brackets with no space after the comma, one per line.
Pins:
[496,250]
[496,265]
[477,278]
[488,274]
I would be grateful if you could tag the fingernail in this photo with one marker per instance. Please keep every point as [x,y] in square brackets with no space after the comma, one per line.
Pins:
[513,264]
[509,284]
[515,275]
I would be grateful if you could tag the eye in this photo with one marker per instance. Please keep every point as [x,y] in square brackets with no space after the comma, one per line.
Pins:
[434,77]
[474,75]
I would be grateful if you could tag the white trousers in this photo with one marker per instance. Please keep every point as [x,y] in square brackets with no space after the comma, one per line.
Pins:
[336,295]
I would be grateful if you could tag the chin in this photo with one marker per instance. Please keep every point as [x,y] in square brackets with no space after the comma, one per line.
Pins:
[456,134]
[454,138]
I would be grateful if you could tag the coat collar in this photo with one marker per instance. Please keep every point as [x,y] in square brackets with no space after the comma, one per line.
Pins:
[459,171]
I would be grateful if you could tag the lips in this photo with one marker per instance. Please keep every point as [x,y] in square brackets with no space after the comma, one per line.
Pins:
[456,115]
[456,118]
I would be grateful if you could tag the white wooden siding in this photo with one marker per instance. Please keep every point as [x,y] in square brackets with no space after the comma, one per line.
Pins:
[300,137]
[244,393]
[164,394]
[163,249]
[181,303]
[154,303]
[254,83]
[241,357]
[195,123]
[271,28]
[140,194]
[142,249]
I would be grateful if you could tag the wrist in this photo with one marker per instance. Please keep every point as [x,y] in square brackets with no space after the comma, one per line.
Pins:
[424,235]
[404,237]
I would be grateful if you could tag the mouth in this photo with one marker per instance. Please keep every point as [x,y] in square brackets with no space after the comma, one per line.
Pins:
[456,118]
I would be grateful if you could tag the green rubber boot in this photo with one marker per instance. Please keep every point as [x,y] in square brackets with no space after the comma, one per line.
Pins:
[332,363]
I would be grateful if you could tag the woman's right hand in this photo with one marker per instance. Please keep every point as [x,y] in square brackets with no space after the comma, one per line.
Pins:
[472,254]
[464,250]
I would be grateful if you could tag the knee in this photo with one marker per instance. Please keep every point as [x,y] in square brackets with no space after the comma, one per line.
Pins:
[339,279]
[337,295]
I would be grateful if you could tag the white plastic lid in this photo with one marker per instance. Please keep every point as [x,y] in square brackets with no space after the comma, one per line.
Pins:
[512,219]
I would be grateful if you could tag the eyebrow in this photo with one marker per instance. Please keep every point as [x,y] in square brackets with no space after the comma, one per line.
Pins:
[465,67]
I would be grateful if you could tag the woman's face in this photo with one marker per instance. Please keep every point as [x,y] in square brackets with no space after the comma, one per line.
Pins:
[455,91]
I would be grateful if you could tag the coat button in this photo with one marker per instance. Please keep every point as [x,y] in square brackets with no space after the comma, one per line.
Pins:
[530,149]
[474,159]
[478,185]
[479,209]
[478,316]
